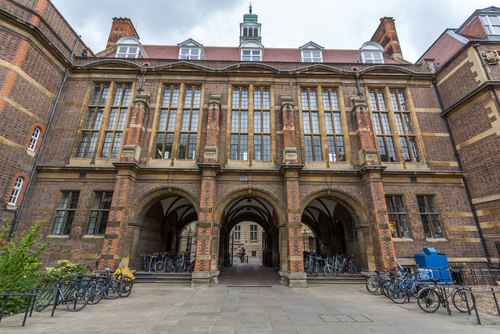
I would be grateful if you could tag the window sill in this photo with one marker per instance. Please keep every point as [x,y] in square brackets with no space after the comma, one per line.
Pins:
[254,241]
[11,207]
[30,153]
[93,237]
[436,240]
[56,236]
[402,239]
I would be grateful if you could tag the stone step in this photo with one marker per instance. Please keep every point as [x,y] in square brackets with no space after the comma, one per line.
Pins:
[164,278]
[339,279]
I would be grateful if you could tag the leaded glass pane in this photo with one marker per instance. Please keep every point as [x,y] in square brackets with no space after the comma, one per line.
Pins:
[234,147]
[307,125]
[182,146]
[338,125]
[312,100]
[121,119]
[315,122]
[107,144]
[385,121]
[197,98]
[340,149]
[326,101]
[192,146]
[116,145]
[104,96]
[267,148]
[235,123]
[309,150]
[373,101]
[188,97]
[244,121]
[376,121]
[98,118]
[413,146]
[171,120]
[317,148]
[185,120]
[95,96]
[265,99]
[175,98]
[381,102]
[335,100]
[244,99]
[112,119]
[118,96]
[166,98]
[406,152]
[382,149]
[409,126]
[266,121]
[83,144]
[257,147]
[243,147]
[392,152]
[332,152]
[257,99]
[257,122]
[305,100]
[328,123]
[194,120]
[399,122]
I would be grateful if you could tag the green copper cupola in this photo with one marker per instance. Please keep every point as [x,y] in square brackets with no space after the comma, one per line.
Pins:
[250,29]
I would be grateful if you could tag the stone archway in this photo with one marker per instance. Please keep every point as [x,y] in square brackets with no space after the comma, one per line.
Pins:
[344,212]
[155,220]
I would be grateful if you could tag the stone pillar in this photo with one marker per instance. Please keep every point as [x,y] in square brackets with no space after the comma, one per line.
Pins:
[383,247]
[205,267]
[116,230]
[292,271]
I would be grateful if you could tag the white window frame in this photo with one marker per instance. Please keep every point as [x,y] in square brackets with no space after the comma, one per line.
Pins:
[16,191]
[369,57]
[34,139]
[190,54]
[251,56]
[128,54]
[311,58]
[485,19]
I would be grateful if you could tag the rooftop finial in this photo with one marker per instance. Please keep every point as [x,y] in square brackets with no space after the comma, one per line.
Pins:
[250,8]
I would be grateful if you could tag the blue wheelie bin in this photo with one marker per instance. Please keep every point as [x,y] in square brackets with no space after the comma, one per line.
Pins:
[433,265]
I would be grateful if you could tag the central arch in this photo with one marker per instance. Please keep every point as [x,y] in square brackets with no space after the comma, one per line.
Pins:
[249,206]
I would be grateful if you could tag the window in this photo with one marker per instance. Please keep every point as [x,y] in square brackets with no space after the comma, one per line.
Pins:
[312,56]
[405,128]
[261,125]
[312,137]
[65,212]
[251,55]
[189,124]
[239,125]
[250,32]
[237,232]
[166,125]
[372,57]
[187,53]
[253,232]
[16,191]
[397,217]
[353,238]
[114,132]
[254,253]
[335,139]
[92,124]
[430,217]
[128,52]
[382,128]
[491,24]
[34,139]
[99,213]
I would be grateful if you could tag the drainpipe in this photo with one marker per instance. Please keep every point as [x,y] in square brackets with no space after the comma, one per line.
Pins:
[466,184]
[32,174]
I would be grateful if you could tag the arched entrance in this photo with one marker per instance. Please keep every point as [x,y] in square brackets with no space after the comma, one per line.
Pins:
[340,226]
[164,220]
[251,220]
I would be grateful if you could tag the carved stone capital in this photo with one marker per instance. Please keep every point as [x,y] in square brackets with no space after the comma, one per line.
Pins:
[131,153]
[358,105]
[286,102]
[142,100]
[367,155]
[290,153]
[211,153]
[214,99]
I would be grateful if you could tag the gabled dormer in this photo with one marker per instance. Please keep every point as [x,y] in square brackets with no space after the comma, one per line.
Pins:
[190,49]
[250,29]
[251,50]
[129,47]
[311,53]
[371,52]
[483,24]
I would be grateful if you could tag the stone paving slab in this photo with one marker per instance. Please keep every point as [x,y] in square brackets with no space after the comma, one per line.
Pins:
[155,308]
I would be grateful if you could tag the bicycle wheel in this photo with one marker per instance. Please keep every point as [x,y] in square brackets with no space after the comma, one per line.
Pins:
[373,286]
[397,293]
[160,267]
[113,289]
[44,300]
[76,299]
[329,271]
[461,302]
[383,287]
[169,266]
[310,268]
[353,269]
[182,267]
[428,300]
[94,294]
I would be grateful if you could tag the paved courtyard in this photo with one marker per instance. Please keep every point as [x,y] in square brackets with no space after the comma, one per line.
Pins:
[156,308]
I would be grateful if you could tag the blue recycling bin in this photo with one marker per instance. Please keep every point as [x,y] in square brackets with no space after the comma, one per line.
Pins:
[433,265]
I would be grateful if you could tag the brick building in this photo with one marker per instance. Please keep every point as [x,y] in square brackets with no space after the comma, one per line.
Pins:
[379,157]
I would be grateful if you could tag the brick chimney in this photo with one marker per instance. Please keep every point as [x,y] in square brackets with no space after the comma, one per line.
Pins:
[121,27]
[387,36]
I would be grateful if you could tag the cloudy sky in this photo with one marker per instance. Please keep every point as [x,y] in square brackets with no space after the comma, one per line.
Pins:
[333,24]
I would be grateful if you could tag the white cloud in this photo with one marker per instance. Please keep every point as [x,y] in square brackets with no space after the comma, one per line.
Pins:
[333,24]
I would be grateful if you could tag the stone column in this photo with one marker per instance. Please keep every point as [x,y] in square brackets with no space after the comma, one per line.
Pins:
[116,229]
[292,270]
[202,276]
[383,248]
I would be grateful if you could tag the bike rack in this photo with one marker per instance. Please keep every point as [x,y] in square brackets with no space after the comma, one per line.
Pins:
[492,291]
[8,294]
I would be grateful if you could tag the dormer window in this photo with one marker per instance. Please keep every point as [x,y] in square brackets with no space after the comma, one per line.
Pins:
[312,57]
[311,53]
[129,47]
[251,55]
[371,52]
[188,53]
[127,52]
[491,24]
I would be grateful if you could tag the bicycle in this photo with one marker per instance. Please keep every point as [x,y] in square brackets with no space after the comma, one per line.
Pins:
[329,268]
[112,288]
[431,298]
[164,263]
[69,292]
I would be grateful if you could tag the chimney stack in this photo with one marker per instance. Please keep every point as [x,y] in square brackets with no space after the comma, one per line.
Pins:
[121,27]
[387,36]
